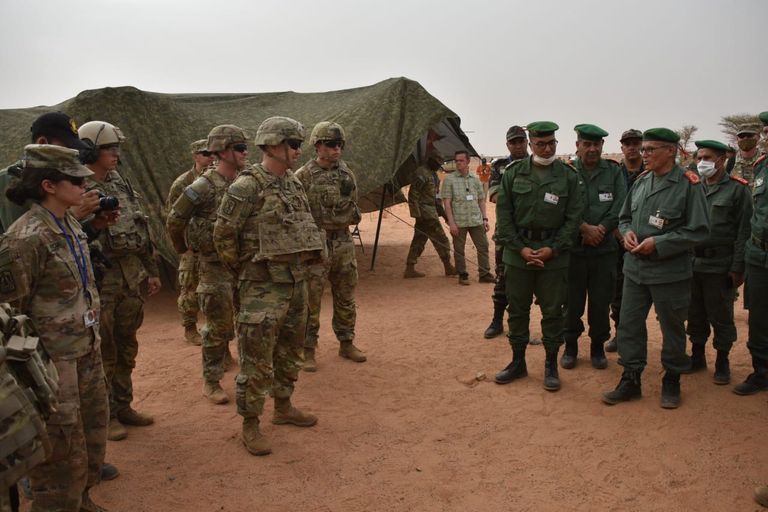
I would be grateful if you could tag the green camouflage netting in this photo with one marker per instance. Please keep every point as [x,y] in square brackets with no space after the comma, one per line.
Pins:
[390,126]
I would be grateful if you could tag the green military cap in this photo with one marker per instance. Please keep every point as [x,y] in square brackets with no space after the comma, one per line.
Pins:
[199,146]
[711,144]
[763,116]
[661,135]
[749,128]
[542,128]
[515,132]
[590,132]
[631,134]
[48,156]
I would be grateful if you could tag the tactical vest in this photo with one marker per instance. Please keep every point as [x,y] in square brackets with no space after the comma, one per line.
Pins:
[281,223]
[210,190]
[331,194]
[130,234]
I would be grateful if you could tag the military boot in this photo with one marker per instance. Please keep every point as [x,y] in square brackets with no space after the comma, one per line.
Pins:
[109,471]
[551,377]
[87,504]
[411,272]
[116,431]
[571,352]
[191,335]
[597,356]
[761,495]
[348,350]
[253,439]
[213,392]
[514,370]
[130,416]
[611,346]
[698,357]
[670,390]
[722,368]
[310,365]
[497,324]
[756,381]
[286,413]
[450,270]
[464,279]
[629,388]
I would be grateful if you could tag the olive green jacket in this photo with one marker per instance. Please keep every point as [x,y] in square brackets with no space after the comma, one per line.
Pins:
[756,253]
[603,192]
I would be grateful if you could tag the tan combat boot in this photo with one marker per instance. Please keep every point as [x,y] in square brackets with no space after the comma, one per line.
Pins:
[213,392]
[130,416]
[349,351]
[116,431]
[192,336]
[761,495]
[285,413]
[310,365]
[253,439]
[411,272]
[450,270]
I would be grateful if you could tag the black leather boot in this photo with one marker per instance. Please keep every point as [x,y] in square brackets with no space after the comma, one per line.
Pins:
[722,368]
[698,357]
[551,377]
[756,381]
[670,390]
[597,356]
[571,352]
[497,324]
[514,370]
[611,346]
[629,388]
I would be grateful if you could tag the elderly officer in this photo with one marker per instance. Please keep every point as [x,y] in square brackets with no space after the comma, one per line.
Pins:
[190,221]
[265,233]
[663,218]
[332,193]
[718,264]
[538,212]
[188,261]
[592,271]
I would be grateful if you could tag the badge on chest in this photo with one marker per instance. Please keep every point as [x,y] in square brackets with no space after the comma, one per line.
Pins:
[657,221]
[605,196]
[551,198]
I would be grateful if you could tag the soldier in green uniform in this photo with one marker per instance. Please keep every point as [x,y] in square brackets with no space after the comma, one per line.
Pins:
[423,207]
[331,189]
[127,245]
[188,261]
[49,278]
[749,153]
[538,212]
[663,218]
[592,273]
[190,226]
[718,264]
[265,233]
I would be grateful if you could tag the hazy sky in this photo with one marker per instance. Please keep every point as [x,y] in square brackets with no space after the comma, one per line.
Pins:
[619,64]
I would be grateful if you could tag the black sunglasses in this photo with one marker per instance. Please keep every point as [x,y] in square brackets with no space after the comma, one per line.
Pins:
[293,143]
[240,148]
[333,144]
[205,153]
[77,181]
[745,135]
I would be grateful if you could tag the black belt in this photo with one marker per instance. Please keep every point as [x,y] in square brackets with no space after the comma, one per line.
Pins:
[537,235]
[337,234]
[759,243]
[713,252]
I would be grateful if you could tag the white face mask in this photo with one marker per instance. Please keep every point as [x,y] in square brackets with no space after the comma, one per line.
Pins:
[706,169]
[543,161]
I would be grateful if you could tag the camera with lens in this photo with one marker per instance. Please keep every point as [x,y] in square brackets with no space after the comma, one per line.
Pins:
[108,203]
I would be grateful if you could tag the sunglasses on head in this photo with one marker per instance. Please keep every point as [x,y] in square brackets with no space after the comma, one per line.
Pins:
[240,148]
[333,144]
[293,143]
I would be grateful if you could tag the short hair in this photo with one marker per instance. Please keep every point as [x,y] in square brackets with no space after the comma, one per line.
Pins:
[461,152]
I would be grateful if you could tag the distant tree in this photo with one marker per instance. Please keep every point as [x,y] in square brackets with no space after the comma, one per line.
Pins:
[730,125]
[686,134]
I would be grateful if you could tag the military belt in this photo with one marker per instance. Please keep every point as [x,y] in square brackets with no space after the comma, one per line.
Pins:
[297,257]
[337,234]
[760,243]
[713,252]
[537,235]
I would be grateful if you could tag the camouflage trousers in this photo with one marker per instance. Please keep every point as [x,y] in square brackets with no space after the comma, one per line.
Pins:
[215,293]
[270,328]
[341,270]
[188,300]
[78,434]
[428,229]
[7,497]
[122,313]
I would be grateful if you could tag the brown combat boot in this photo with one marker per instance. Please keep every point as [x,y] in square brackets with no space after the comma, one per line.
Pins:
[761,495]
[348,350]
[450,270]
[213,392]
[192,336]
[310,365]
[411,272]
[116,431]
[285,413]
[253,439]
[130,416]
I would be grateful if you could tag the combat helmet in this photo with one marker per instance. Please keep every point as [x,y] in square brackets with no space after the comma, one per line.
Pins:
[100,133]
[327,130]
[274,130]
[225,135]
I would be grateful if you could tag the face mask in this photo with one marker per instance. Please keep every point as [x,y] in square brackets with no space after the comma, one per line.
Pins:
[706,169]
[747,144]
[543,161]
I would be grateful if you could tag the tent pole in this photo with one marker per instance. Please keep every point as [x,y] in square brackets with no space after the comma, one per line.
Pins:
[378,225]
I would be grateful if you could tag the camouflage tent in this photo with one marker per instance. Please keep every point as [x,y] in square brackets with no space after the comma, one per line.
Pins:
[391,126]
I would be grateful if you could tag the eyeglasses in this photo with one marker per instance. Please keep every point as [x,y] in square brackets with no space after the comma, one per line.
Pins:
[333,144]
[77,181]
[745,135]
[114,149]
[240,148]
[205,153]
[293,143]
[541,144]
[649,150]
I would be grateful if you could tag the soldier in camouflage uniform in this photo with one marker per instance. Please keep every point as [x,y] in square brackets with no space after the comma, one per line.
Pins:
[191,221]
[749,153]
[127,245]
[49,277]
[423,207]
[188,261]
[265,234]
[332,193]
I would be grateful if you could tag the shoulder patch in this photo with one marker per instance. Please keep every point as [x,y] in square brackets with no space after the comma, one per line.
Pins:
[192,194]
[740,180]
[692,177]
[759,161]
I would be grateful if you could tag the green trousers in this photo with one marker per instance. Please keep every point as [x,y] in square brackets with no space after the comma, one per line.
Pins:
[591,278]
[712,304]
[757,295]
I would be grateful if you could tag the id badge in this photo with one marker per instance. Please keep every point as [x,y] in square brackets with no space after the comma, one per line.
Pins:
[470,197]
[551,198]
[656,222]
[605,196]
[90,318]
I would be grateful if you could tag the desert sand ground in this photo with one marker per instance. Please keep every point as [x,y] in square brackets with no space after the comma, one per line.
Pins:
[402,433]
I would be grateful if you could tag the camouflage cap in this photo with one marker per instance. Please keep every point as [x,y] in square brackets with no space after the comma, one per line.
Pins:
[749,128]
[542,128]
[763,116]
[326,130]
[661,135]
[631,134]
[225,135]
[515,132]
[199,146]
[711,144]
[274,130]
[590,132]
[48,156]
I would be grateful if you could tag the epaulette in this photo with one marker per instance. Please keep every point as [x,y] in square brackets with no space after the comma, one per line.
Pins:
[740,180]
[692,177]
[642,174]
[611,160]
[759,161]
[569,165]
